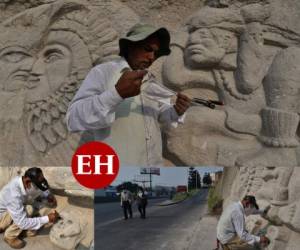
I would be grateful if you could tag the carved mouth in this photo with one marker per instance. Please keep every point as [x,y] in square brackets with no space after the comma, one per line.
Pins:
[196,49]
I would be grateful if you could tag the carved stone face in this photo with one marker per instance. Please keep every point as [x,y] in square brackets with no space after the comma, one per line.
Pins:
[15,66]
[67,228]
[207,47]
[35,75]
[202,49]
[49,71]
[66,233]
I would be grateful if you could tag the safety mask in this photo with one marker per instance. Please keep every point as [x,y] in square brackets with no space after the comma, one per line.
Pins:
[249,210]
[33,191]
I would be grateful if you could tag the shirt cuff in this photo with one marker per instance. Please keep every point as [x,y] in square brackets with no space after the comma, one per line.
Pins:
[44,219]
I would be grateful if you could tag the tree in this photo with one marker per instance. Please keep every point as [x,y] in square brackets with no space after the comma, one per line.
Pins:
[132,187]
[207,179]
[194,180]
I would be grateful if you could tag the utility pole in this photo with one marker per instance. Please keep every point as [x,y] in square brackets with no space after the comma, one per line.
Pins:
[188,176]
[150,183]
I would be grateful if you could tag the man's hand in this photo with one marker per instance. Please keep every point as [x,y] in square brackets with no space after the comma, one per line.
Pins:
[130,83]
[264,241]
[182,103]
[53,217]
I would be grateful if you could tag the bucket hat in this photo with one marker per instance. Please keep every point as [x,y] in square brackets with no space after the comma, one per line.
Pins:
[140,32]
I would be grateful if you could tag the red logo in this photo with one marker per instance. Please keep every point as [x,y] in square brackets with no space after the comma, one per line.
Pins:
[95,165]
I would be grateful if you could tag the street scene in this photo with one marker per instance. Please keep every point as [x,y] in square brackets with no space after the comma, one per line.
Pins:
[177,216]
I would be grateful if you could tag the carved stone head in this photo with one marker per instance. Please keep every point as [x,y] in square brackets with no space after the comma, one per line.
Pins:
[212,35]
[67,232]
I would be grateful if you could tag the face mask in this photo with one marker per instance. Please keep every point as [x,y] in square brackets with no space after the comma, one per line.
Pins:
[33,191]
[249,210]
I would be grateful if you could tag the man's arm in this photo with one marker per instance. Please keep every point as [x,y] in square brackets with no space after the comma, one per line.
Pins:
[19,216]
[238,221]
[93,106]
[121,199]
[49,197]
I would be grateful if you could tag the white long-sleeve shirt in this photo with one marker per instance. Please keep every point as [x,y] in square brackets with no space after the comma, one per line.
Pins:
[13,199]
[126,195]
[232,223]
[131,126]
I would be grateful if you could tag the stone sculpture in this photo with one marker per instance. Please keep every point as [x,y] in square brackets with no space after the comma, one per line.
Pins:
[238,54]
[277,187]
[41,71]
[67,232]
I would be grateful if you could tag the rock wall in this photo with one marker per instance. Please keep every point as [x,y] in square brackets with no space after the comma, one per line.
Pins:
[245,54]
[47,48]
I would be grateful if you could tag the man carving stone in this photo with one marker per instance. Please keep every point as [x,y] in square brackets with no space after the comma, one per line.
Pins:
[18,206]
[231,229]
[109,103]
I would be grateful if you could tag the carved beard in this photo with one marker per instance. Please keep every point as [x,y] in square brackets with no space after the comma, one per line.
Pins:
[45,119]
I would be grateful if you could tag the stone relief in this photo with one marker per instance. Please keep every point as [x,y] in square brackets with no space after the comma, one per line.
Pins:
[45,53]
[236,52]
[67,232]
[277,187]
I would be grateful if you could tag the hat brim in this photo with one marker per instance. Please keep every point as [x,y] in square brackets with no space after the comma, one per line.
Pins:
[42,185]
[162,34]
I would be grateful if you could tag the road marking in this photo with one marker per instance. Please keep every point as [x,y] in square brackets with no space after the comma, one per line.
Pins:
[135,214]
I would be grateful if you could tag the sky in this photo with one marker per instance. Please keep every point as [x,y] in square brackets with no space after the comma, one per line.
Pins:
[169,176]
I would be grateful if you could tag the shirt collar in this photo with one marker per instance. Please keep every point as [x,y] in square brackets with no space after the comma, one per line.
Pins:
[242,207]
[23,191]
[123,65]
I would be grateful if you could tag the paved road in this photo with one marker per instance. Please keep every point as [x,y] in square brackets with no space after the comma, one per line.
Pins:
[170,227]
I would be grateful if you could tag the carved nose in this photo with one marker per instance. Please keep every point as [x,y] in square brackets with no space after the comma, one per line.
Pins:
[38,68]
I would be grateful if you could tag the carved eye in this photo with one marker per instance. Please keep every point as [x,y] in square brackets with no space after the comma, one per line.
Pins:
[53,55]
[13,56]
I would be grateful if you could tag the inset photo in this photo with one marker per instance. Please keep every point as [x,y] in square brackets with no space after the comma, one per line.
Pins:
[158,208]
[44,208]
[203,208]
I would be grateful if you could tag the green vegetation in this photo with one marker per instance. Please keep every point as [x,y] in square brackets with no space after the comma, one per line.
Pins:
[193,192]
[214,201]
[183,196]
[180,196]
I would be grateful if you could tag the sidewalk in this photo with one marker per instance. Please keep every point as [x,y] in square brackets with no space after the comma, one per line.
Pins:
[204,234]
[39,242]
[170,202]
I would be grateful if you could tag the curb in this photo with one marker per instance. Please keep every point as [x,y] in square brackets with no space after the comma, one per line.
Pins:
[171,203]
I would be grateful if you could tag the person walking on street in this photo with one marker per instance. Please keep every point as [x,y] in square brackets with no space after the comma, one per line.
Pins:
[231,228]
[126,202]
[142,202]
